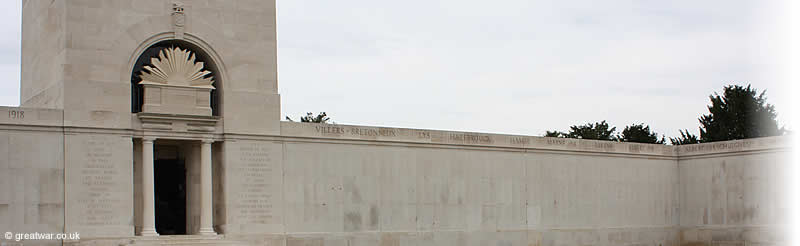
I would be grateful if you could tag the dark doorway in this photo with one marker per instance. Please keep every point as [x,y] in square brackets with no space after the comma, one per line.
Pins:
[170,194]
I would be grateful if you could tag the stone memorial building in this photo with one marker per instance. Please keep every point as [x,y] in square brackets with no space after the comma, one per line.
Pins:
[155,122]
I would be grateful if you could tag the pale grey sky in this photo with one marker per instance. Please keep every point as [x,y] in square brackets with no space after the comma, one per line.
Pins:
[509,66]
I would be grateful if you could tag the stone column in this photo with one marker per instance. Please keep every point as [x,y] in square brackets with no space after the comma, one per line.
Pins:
[206,215]
[148,194]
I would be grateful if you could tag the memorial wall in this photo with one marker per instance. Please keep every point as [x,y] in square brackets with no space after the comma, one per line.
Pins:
[321,184]
[31,170]
[733,192]
[82,153]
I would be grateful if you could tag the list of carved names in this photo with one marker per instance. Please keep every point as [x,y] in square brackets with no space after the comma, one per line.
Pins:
[98,180]
[254,194]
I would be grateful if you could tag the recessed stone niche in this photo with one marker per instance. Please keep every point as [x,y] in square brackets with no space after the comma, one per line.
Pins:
[176,84]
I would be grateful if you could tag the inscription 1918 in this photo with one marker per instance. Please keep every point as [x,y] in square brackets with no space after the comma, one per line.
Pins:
[16,114]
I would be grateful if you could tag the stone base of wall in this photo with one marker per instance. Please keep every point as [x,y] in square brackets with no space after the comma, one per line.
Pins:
[761,236]
[181,240]
[699,236]
[644,236]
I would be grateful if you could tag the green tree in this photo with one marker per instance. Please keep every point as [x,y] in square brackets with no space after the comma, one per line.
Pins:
[554,134]
[599,131]
[739,113]
[685,138]
[310,118]
[639,134]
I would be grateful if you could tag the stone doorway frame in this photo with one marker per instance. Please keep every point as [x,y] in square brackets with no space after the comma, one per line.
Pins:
[199,196]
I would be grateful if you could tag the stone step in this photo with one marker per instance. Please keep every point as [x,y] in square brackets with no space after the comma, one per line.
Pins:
[183,240]
[186,241]
[189,243]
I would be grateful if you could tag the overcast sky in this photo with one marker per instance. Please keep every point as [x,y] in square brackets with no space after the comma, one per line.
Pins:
[508,66]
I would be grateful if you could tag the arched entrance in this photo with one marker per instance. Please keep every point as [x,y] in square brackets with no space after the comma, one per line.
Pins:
[175,96]
[145,59]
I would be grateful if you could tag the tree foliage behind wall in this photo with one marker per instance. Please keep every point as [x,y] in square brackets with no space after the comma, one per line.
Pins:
[311,118]
[640,134]
[739,113]
[554,134]
[598,131]
[685,138]
[603,131]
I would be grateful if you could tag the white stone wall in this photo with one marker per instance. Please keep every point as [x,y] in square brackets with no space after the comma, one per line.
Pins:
[356,185]
[734,192]
[250,177]
[363,185]
[44,48]
[483,195]
[31,172]
[99,184]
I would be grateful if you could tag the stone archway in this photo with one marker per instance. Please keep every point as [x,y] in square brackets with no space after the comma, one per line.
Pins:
[156,51]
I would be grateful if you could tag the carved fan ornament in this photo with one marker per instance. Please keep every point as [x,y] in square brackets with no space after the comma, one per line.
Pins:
[176,67]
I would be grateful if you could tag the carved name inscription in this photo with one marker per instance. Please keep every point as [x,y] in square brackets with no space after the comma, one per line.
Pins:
[717,147]
[561,142]
[255,200]
[520,140]
[602,145]
[355,131]
[336,130]
[98,177]
[641,148]
[372,132]
[556,141]
[470,138]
